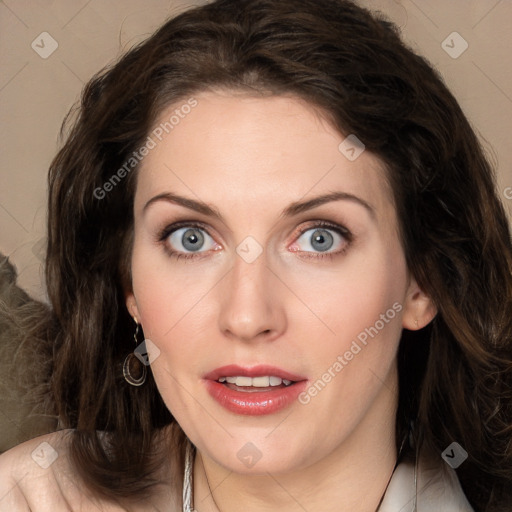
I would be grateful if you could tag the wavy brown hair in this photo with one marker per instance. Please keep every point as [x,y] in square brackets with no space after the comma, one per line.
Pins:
[455,374]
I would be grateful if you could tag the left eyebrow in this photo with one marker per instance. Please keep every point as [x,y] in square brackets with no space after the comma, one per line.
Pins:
[302,206]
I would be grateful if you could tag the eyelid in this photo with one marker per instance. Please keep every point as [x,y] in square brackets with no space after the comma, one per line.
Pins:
[169,229]
[341,230]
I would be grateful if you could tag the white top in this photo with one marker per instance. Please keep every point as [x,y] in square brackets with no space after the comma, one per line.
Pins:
[431,487]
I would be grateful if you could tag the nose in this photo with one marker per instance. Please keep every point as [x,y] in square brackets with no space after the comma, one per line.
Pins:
[251,304]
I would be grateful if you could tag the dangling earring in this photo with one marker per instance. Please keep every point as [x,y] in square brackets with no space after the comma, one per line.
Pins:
[132,365]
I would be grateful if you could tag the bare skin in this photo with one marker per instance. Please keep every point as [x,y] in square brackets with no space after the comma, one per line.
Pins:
[29,483]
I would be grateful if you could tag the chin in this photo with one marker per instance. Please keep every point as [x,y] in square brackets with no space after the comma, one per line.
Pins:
[262,453]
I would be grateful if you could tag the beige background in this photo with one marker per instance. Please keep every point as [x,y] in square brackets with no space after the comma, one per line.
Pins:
[36,93]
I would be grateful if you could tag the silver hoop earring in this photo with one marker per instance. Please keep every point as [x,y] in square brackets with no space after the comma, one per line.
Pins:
[134,371]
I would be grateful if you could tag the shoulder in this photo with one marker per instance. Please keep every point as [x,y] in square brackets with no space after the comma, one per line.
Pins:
[28,466]
[430,486]
[438,484]
[37,476]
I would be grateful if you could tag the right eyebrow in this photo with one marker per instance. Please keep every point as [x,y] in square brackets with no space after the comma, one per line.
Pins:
[191,204]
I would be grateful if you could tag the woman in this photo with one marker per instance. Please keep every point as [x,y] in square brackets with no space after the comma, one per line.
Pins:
[290,209]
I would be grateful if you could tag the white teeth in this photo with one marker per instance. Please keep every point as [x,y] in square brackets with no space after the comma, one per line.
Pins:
[257,382]
[261,382]
[275,381]
[243,381]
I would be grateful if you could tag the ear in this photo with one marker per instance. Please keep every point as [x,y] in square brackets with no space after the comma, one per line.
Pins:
[131,305]
[419,310]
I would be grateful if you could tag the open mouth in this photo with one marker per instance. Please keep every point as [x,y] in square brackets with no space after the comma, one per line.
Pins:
[254,391]
[255,384]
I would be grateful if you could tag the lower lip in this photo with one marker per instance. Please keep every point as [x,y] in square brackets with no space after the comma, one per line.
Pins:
[255,403]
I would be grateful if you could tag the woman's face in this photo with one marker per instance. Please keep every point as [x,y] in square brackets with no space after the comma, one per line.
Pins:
[260,241]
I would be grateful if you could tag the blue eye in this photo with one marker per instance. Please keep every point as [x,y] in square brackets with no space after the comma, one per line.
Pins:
[189,239]
[321,239]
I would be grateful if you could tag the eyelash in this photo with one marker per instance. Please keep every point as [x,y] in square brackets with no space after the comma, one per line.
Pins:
[340,230]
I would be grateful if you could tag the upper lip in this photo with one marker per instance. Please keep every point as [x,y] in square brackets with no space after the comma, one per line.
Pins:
[234,370]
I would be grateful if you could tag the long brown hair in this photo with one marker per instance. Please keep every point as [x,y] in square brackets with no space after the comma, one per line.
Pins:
[455,374]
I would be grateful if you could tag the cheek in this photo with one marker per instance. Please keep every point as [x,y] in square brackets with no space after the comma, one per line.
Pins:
[166,298]
[352,297]
[168,304]
[362,308]
[175,311]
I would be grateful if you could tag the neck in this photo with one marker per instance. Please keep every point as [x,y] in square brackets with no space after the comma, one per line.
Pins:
[353,477]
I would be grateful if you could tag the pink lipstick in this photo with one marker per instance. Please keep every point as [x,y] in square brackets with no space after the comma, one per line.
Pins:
[254,391]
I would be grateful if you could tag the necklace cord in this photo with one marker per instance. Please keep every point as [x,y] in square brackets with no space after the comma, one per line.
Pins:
[188,480]
[188,503]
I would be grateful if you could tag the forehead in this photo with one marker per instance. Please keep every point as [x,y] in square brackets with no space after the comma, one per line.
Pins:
[239,150]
